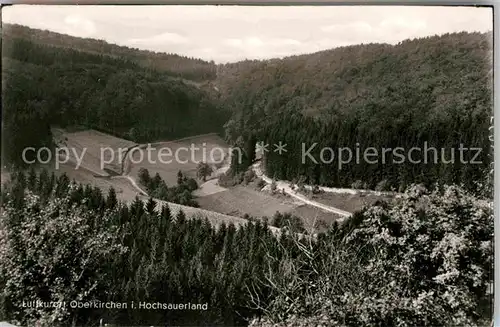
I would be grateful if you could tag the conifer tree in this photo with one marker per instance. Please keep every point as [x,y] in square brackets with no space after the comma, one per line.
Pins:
[166,214]
[111,201]
[181,218]
[137,208]
[32,179]
[151,206]
[180,178]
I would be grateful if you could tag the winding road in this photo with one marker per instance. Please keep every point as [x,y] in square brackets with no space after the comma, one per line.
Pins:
[211,186]
[285,186]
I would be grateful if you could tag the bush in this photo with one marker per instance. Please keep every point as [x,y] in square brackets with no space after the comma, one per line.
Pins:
[289,221]
[191,184]
[357,185]
[54,254]
[302,189]
[316,190]
[320,225]
[249,176]
[423,260]
[230,179]
[144,177]
[382,186]
[273,186]
[443,240]
[260,183]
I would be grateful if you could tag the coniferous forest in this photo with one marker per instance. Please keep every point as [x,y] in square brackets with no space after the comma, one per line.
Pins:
[62,241]
[436,90]
[423,258]
[45,85]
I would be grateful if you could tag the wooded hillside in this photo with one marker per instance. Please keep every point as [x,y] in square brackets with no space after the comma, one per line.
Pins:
[45,85]
[173,64]
[436,89]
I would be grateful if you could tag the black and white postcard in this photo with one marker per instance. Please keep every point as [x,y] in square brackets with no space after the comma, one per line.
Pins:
[179,165]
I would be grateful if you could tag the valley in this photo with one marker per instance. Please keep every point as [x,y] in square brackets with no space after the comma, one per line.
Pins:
[218,203]
[192,184]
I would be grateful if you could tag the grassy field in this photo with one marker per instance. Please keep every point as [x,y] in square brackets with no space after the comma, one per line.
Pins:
[240,200]
[125,192]
[93,141]
[348,202]
[168,171]
[95,144]
[315,218]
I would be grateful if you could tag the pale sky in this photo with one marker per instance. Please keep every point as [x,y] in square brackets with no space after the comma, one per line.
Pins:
[232,33]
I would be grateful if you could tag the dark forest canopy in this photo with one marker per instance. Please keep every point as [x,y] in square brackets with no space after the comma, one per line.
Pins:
[45,85]
[436,89]
[428,269]
[173,64]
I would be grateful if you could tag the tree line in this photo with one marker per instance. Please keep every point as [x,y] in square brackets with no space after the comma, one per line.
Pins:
[158,188]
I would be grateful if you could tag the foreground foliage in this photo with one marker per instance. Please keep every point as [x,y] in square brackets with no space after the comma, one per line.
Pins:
[423,260]
[139,253]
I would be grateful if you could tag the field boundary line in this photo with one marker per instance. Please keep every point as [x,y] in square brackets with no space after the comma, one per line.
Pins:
[182,139]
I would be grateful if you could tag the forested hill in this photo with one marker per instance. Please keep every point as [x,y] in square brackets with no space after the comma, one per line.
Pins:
[173,64]
[346,78]
[44,85]
[436,89]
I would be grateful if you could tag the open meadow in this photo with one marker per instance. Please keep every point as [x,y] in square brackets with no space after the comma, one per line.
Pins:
[90,173]
[348,202]
[240,200]
[181,157]
[124,189]
[95,146]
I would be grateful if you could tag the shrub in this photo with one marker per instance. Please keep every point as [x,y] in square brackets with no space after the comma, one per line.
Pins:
[302,189]
[191,184]
[273,186]
[144,177]
[289,221]
[320,225]
[383,185]
[249,176]
[423,260]
[357,185]
[230,179]
[46,239]
[260,183]
[316,189]
[435,249]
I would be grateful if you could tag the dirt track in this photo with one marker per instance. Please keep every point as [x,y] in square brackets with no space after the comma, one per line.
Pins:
[285,186]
